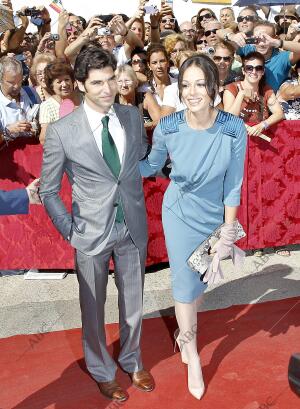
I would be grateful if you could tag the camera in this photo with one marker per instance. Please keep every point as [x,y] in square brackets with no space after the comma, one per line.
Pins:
[103,31]
[150,9]
[209,50]
[251,40]
[31,12]
[54,37]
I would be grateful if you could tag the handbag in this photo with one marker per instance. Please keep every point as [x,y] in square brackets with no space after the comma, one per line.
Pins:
[201,258]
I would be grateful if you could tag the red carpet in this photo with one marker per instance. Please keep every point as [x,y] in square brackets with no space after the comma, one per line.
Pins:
[244,351]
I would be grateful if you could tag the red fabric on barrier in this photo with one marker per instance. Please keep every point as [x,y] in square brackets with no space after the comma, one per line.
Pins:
[270,210]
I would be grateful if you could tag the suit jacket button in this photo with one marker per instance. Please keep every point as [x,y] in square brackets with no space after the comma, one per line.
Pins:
[119,182]
[116,204]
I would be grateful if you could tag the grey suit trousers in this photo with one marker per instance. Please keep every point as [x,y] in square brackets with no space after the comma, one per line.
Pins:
[92,273]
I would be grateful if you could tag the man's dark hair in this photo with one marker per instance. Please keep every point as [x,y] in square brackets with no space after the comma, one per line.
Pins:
[209,69]
[92,58]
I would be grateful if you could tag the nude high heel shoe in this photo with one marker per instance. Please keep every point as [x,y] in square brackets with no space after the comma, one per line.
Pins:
[184,357]
[195,379]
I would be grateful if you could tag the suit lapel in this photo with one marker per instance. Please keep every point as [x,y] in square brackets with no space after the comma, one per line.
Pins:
[82,127]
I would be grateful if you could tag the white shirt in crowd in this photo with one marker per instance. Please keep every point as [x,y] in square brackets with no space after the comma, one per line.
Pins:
[114,126]
[171,98]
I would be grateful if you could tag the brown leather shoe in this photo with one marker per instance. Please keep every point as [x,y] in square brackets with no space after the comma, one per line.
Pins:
[143,380]
[112,390]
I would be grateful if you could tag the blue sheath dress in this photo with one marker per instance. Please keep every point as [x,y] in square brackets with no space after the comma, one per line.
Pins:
[207,173]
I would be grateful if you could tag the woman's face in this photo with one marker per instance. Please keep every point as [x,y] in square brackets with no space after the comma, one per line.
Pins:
[223,59]
[201,44]
[204,17]
[158,64]
[137,28]
[40,74]
[179,46]
[167,22]
[139,62]
[126,85]
[253,70]
[194,93]
[63,86]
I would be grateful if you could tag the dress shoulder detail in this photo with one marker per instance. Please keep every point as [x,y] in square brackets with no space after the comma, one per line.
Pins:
[232,124]
[170,123]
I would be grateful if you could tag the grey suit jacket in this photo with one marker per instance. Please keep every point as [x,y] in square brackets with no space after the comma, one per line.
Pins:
[71,148]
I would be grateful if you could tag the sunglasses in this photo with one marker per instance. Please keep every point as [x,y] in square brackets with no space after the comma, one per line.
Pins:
[217,58]
[201,42]
[207,16]
[166,20]
[246,18]
[210,32]
[251,68]
[141,61]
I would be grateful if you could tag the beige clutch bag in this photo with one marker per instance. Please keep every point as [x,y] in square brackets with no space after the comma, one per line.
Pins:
[200,259]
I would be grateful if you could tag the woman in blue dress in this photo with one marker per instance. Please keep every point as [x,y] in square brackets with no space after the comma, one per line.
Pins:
[207,150]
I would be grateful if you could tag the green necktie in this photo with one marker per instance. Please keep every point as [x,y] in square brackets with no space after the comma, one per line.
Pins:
[111,157]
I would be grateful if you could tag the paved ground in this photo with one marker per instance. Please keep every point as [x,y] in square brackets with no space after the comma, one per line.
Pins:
[42,306]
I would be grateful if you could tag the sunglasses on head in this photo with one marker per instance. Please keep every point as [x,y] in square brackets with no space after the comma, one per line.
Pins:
[217,58]
[166,20]
[246,18]
[251,68]
[209,32]
[207,16]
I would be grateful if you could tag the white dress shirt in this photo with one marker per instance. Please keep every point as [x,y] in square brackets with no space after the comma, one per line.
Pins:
[114,126]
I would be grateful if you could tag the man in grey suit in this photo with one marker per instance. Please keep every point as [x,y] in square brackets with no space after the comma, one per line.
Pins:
[99,146]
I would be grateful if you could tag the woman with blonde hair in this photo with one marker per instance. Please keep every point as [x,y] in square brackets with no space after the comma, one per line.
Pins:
[37,74]
[174,44]
[128,95]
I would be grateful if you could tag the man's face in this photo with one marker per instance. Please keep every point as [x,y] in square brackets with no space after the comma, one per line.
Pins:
[262,47]
[285,21]
[107,42]
[210,33]
[188,31]
[223,59]
[11,84]
[167,22]
[226,16]
[100,89]
[246,21]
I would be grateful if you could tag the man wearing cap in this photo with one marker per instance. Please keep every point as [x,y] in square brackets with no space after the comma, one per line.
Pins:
[285,19]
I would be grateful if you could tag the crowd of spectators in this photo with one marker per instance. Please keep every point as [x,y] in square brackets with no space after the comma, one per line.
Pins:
[258,63]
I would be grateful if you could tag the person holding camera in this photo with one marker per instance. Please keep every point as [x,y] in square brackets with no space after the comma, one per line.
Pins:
[280,55]
[15,102]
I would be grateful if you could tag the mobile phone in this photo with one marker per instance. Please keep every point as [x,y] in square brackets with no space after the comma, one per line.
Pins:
[150,9]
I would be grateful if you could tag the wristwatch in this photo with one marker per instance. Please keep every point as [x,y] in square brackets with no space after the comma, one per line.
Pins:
[226,36]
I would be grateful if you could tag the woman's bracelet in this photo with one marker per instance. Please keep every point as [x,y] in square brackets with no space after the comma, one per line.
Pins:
[266,125]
